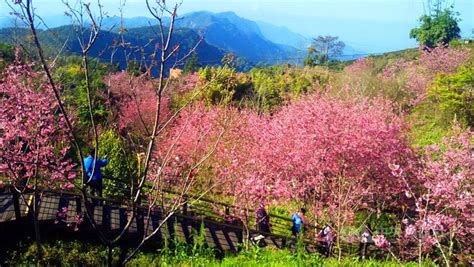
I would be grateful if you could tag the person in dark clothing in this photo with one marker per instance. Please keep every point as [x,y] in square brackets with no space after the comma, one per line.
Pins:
[94,175]
[263,220]
[365,239]
[327,236]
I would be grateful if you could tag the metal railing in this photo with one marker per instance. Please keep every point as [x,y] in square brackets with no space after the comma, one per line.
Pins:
[220,211]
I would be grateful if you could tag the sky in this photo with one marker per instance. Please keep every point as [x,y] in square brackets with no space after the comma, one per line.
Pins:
[369,25]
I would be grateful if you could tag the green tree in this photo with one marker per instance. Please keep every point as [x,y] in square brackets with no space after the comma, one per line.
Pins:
[122,164]
[192,64]
[268,88]
[7,55]
[223,85]
[70,73]
[440,27]
[324,49]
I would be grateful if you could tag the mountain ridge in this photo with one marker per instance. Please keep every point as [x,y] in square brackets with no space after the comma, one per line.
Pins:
[255,42]
[107,49]
[237,35]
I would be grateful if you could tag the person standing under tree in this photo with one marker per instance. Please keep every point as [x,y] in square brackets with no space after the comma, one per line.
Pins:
[327,236]
[94,175]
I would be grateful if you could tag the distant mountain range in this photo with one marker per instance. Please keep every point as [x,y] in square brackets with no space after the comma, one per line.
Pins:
[107,49]
[258,43]
[283,35]
[238,35]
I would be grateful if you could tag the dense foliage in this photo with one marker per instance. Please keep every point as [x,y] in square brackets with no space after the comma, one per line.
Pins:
[438,28]
[7,55]
[33,139]
[70,73]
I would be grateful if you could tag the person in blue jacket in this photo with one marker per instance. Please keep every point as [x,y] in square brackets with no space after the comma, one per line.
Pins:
[298,222]
[94,174]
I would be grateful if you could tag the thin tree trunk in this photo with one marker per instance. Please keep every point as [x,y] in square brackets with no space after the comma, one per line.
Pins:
[109,255]
[419,251]
[339,227]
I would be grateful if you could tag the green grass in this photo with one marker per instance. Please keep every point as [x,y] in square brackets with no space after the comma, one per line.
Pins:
[74,253]
[264,257]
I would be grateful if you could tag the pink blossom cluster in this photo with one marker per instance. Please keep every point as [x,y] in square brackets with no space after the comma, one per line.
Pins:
[192,137]
[380,241]
[392,70]
[443,59]
[444,203]
[61,215]
[316,141]
[189,82]
[135,99]
[360,65]
[417,84]
[79,221]
[33,139]
[431,63]
[413,78]
[318,148]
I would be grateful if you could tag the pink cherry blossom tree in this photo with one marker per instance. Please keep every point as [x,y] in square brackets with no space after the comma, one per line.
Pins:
[443,59]
[33,137]
[165,53]
[329,154]
[443,206]
[134,99]
[334,157]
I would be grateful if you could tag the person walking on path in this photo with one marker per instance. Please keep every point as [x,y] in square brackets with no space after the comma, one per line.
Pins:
[298,220]
[263,220]
[327,237]
[94,175]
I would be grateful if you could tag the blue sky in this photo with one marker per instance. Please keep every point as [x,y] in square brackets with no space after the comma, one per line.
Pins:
[369,25]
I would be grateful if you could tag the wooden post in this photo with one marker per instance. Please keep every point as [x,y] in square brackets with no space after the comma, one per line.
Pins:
[106,210]
[140,222]
[78,205]
[185,206]
[16,204]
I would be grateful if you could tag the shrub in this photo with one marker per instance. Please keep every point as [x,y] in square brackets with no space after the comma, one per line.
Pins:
[121,165]
[449,100]
[222,85]
[60,253]
[454,95]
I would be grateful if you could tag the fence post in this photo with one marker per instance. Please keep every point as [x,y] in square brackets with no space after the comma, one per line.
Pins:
[140,222]
[78,205]
[16,204]
[185,206]
[106,220]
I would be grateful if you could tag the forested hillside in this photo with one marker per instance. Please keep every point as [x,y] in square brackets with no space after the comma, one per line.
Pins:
[110,48]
